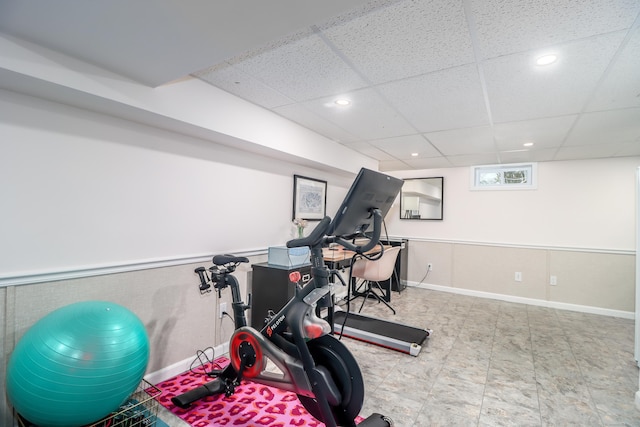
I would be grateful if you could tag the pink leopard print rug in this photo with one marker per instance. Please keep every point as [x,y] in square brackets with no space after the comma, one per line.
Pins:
[253,404]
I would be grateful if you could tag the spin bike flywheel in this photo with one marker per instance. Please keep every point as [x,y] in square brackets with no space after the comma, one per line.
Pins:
[332,354]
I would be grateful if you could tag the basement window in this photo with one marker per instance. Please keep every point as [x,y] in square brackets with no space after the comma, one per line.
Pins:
[517,176]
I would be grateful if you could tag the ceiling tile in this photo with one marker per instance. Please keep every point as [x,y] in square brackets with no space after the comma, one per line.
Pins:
[441,100]
[544,133]
[303,69]
[369,150]
[234,81]
[157,42]
[606,127]
[509,26]
[463,141]
[520,90]
[577,152]
[523,156]
[629,149]
[474,159]
[429,163]
[409,67]
[401,147]
[621,86]
[368,117]
[405,39]
[304,117]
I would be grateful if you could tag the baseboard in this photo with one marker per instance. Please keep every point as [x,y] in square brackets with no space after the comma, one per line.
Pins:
[182,366]
[529,301]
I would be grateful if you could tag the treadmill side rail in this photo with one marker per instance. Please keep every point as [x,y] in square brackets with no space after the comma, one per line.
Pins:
[391,335]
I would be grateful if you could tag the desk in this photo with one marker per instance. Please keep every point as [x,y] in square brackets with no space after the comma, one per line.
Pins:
[341,257]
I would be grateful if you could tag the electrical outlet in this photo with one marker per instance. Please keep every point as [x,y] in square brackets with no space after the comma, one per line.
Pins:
[429,267]
[223,309]
[518,276]
[553,280]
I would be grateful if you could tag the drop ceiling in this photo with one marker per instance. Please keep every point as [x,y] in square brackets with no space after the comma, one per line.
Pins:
[431,84]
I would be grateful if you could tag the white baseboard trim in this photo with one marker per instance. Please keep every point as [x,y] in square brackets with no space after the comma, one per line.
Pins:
[529,301]
[182,366]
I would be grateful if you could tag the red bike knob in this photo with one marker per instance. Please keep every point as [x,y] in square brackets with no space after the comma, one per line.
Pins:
[294,276]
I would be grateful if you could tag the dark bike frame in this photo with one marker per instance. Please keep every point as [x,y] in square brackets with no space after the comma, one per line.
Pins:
[284,341]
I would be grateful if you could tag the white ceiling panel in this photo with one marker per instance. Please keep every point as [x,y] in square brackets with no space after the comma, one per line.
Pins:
[629,149]
[393,165]
[524,156]
[369,150]
[591,151]
[520,90]
[368,116]
[544,133]
[233,80]
[509,26]
[158,41]
[401,147]
[606,127]
[474,159]
[463,141]
[441,100]
[304,69]
[460,71]
[621,85]
[304,117]
[405,39]
[429,163]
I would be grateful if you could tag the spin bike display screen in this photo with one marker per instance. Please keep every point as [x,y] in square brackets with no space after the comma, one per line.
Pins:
[370,190]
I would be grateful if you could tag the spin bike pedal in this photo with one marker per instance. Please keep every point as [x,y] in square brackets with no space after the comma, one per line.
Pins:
[376,420]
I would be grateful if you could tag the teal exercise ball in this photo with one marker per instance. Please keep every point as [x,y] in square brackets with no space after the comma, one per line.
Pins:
[77,364]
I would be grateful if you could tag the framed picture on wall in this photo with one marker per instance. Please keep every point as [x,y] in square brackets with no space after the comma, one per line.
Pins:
[309,198]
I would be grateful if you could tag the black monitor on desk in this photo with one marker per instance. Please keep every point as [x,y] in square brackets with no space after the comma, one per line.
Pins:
[370,190]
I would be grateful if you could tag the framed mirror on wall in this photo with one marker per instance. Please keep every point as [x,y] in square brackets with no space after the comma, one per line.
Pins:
[422,198]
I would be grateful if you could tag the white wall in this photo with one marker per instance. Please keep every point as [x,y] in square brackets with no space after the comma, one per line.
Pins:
[578,204]
[104,184]
[189,106]
[83,190]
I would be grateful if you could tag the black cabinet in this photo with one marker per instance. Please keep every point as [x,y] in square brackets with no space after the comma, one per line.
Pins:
[271,289]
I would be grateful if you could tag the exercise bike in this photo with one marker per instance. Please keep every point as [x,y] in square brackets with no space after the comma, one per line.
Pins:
[305,358]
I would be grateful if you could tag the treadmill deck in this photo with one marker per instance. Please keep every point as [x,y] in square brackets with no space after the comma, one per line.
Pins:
[392,335]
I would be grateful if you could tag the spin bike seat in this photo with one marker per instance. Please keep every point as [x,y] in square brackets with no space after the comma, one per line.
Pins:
[226,259]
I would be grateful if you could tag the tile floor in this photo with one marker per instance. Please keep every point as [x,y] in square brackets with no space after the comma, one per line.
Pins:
[495,363]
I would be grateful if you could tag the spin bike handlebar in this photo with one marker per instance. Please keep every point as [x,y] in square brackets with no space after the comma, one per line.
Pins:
[318,236]
[315,238]
[373,240]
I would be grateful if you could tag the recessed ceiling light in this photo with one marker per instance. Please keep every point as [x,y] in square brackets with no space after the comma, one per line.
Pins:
[342,102]
[414,154]
[546,59]
[528,144]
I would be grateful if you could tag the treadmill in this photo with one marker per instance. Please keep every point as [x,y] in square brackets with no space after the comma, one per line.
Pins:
[383,333]
[371,191]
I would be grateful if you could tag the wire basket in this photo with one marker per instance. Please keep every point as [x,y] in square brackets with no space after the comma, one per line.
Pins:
[140,410]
